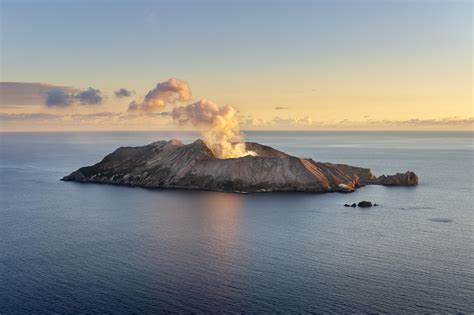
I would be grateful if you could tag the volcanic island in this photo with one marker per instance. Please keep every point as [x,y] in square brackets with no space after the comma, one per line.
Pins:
[174,165]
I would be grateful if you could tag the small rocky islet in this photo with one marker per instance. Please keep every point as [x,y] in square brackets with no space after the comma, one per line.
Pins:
[362,204]
[172,164]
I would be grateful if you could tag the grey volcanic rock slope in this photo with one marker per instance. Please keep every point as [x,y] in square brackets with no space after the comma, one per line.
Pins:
[171,164]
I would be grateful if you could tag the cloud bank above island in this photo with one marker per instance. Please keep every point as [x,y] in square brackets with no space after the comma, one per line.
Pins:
[169,105]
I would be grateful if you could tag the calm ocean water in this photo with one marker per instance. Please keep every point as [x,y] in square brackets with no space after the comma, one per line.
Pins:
[69,247]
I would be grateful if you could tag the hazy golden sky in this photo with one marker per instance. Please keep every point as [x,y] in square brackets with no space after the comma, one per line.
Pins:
[281,64]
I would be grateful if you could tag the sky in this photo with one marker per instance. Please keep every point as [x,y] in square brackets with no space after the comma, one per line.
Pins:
[352,64]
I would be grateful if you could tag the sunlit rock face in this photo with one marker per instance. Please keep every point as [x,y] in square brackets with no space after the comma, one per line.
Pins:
[257,168]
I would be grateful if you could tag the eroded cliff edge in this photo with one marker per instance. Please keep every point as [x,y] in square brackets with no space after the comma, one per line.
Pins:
[172,164]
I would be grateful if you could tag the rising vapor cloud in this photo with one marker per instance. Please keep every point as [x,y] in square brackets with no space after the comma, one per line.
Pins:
[165,93]
[219,127]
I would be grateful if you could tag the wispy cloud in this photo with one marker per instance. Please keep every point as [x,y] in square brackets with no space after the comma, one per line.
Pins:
[124,118]
[447,121]
[123,92]
[308,123]
[165,114]
[18,94]
[29,117]
[97,115]
[23,93]
[280,108]
[277,121]
[305,121]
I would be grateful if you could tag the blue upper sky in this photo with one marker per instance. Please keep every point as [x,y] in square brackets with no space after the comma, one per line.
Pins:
[102,39]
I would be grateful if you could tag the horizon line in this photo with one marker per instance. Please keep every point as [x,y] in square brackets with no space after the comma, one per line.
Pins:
[251,130]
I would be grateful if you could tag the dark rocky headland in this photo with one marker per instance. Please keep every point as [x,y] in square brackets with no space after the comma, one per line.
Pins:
[172,164]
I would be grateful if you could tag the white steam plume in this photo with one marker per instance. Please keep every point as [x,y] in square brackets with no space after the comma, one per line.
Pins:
[219,127]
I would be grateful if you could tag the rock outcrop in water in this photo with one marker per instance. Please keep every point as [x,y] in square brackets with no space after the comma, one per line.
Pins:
[364,204]
[171,164]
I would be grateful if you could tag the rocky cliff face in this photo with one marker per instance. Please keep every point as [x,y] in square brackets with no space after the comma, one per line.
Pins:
[171,164]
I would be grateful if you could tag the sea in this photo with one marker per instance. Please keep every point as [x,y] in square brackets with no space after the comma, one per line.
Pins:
[68,247]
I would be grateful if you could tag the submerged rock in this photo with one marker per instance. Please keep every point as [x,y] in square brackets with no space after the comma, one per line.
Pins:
[352,205]
[441,220]
[172,164]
